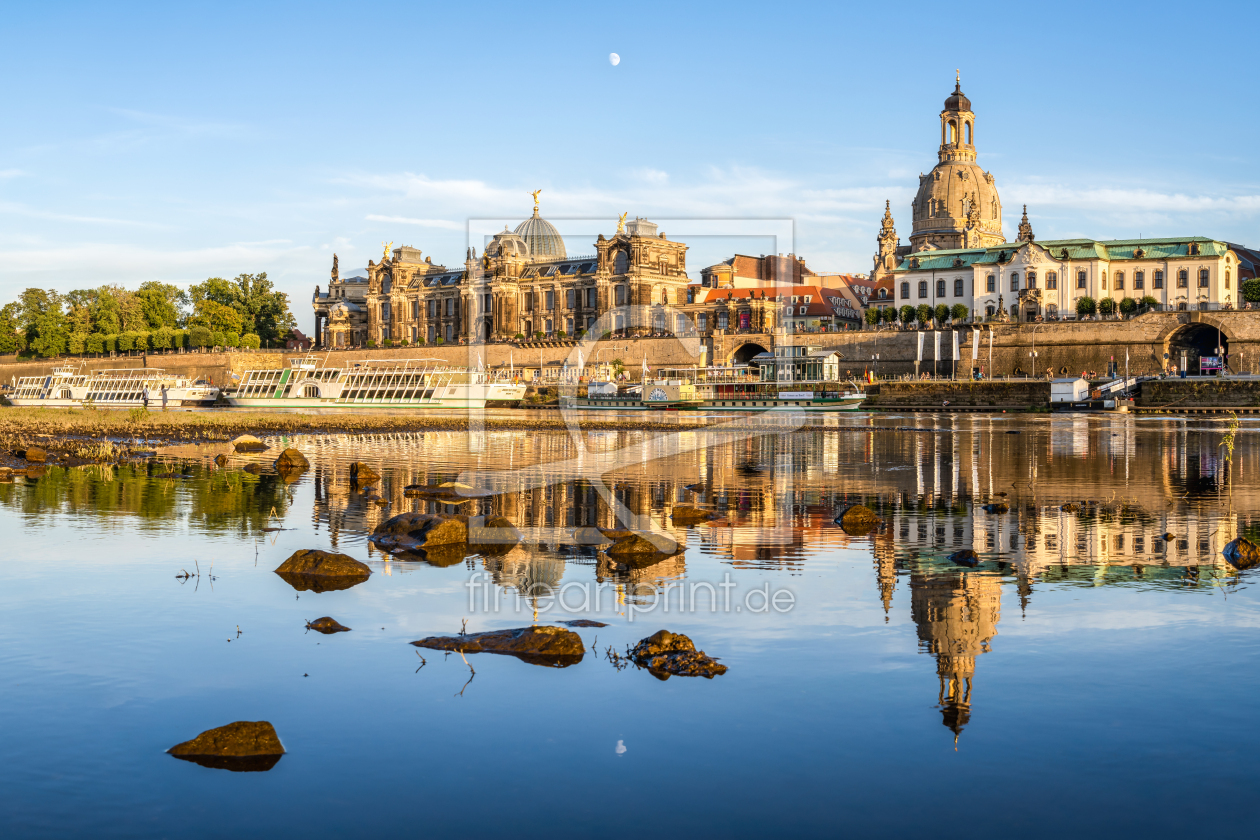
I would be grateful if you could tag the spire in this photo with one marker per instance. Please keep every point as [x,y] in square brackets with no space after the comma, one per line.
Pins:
[1025,229]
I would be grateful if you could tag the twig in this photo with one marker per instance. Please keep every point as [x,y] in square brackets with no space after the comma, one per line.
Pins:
[472,674]
[422,662]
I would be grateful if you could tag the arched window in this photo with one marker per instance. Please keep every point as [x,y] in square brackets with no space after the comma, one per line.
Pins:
[958,287]
[1183,279]
[1104,281]
[967,127]
[1139,279]
[1158,280]
[1052,280]
[940,288]
[953,133]
[923,289]
[1082,280]
[1227,278]
[883,293]
[1203,278]
[905,291]
[311,391]
[621,263]
[990,284]
[1119,280]
[1030,280]
[1014,281]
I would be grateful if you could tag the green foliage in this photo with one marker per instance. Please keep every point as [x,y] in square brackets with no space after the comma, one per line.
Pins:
[1128,306]
[250,341]
[126,342]
[1251,290]
[607,334]
[539,335]
[231,340]
[1085,306]
[94,343]
[440,340]
[888,315]
[219,338]
[200,336]
[519,336]
[138,413]
[161,304]
[371,342]
[76,343]
[923,314]
[561,334]
[941,311]
[11,340]
[262,310]
[906,314]
[109,344]
[1106,306]
[1150,301]
[872,317]
[958,312]
[163,338]
[49,335]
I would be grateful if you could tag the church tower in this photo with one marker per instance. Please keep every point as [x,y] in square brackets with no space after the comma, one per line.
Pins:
[957,205]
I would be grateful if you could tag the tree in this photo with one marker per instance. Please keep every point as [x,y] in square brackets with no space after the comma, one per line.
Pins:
[907,314]
[923,314]
[161,304]
[48,336]
[1106,306]
[1128,306]
[250,341]
[1085,306]
[199,336]
[1150,302]
[941,312]
[263,310]
[95,343]
[872,317]
[11,340]
[958,312]
[216,317]
[126,342]
[1251,290]
[163,338]
[106,314]
[888,315]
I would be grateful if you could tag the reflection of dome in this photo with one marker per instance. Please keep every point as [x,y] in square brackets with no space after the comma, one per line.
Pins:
[507,244]
[542,237]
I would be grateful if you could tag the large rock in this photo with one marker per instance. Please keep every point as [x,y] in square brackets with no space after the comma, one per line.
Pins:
[291,460]
[967,557]
[362,475]
[322,571]
[1242,553]
[6,475]
[35,454]
[420,531]
[554,646]
[687,515]
[858,520]
[248,443]
[667,654]
[999,507]
[327,626]
[246,745]
[638,543]
[492,535]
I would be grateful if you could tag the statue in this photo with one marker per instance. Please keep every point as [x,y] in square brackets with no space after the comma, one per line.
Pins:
[621,222]
[388,246]
[535,195]
[335,275]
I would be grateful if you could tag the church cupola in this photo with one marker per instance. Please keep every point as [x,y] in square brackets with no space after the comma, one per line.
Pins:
[957,126]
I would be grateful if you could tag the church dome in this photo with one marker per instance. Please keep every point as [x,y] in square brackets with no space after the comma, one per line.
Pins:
[958,100]
[507,244]
[542,237]
[957,196]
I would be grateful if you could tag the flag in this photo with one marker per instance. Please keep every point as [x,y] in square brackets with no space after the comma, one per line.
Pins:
[936,345]
[645,368]
[919,358]
[975,344]
[954,357]
[511,367]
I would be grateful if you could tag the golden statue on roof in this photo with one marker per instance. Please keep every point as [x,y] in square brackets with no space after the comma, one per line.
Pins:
[621,222]
[388,246]
[535,195]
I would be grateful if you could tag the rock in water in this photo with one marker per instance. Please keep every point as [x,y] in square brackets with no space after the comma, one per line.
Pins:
[6,475]
[220,460]
[544,645]
[253,469]
[248,443]
[967,557]
[290,460]
[327,626]
[35,454]
[687,515]
[1242,553]
[362,475]
[322,571]
[1000,507]
[243,746]
[492,535]
[420,531]
[858,520]
[583,622]
[1071,507]
[667,654]
[639,546]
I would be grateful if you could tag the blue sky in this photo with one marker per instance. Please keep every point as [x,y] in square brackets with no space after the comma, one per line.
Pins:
[180,141]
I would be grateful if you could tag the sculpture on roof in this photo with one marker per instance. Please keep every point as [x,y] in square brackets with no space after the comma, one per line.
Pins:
[388,246]
[621,222]
[335,275]
[1025,229]
[535,195]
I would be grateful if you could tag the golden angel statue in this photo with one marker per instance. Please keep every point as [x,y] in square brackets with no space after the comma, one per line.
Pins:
[388,246]
[535,195]
[621,222]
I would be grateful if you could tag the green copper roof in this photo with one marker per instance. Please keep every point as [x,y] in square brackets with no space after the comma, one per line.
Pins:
[1076,249]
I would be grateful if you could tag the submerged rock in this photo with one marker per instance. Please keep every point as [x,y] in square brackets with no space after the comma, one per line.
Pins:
[667,654]
[291,460]
[542,645]
[253,469]
[687,515]
[1070,507]
[1242,553]
[858,520]
[243,746]
[493,534]
[999,507]
[248,443]
[420,531]
[967,557]
[583,622]
[362,475]
[322,571]
[220,460]
[327,626]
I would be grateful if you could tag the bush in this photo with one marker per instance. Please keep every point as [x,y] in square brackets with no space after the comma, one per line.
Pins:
[941,312]
[906,313]
[440,340]
[889,315]
[1251,290]
[1149,301]
[1106,306]
[1085,306]
[163,339]
[109,344]
[607,334]
[560,334]
[249,341]
[125,342]
[200,337]
[389,342]
[518,337]
[539,335]
[1128,306]
[923,314]
[872,317]
[95,343]
[371,342]
[958,312]
[76,342]
[231,339]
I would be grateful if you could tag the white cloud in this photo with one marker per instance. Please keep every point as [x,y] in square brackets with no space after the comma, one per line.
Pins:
[30,212]
[403,220]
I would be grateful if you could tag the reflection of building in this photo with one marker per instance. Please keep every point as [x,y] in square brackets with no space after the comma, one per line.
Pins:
[956,615]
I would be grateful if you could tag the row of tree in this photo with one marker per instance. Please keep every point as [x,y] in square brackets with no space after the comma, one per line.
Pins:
[245,312]
[923,315]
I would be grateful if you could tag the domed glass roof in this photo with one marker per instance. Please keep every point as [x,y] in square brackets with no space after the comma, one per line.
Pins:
[507,244]
[542,238]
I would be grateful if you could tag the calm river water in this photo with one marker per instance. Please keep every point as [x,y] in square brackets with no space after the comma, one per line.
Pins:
[1087,678]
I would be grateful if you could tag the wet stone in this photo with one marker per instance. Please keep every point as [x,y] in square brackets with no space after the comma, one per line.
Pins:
[362,475]
[420,531]
[1242,554]
[1071,507]
[635,544]
[322,571]
[687,515]
[242,746]
[35,454]
[544,645]
[665,654]
[858,520]
[248,443]
[582,622]
[967,557]
[327,626]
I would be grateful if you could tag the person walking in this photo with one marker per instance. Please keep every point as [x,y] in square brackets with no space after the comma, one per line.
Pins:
[164,396]
[144,396]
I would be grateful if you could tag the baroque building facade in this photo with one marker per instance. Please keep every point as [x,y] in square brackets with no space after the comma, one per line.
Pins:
[524,285]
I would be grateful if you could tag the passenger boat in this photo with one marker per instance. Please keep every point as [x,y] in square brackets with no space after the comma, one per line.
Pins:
[720,389]
[385,384]
[69,386]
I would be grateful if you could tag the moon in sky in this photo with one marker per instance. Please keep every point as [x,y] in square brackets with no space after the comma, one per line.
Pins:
[614,59]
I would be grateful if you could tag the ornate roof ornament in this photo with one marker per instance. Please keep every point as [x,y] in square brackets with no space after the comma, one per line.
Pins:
[1025,229]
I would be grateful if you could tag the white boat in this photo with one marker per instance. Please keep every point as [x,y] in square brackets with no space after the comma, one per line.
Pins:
[69,386]
[746,388]
[311,383]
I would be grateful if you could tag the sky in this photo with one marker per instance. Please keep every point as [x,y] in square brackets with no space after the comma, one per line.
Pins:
[179,141]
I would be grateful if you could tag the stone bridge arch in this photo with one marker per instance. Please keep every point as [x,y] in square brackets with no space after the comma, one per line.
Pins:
[1197,334]
[743,353]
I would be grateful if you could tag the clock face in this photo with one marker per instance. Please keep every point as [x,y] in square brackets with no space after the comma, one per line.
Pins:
[657,395]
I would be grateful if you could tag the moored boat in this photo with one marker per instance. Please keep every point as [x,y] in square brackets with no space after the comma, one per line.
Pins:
[69,386]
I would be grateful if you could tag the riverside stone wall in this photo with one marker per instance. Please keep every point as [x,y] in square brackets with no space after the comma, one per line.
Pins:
[989,394]
[1209,392]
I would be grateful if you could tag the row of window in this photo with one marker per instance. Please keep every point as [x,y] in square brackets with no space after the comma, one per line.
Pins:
[1082,282]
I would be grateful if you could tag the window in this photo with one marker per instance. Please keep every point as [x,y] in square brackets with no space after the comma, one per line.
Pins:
[590,299]
[1014,282]
[721,319]
[1158,280]
[1030,280]
[529,301]
[883,293]
[415,311]
[568,299]
[621,263]
[547,325]
[940,288]
[450,307]
[568,326]
[621,295]
[1081,280]
[958,287]
[1183,279]
[702,321]
[1227,278]
[488,302]
[1104,280]
[1052,280]
[1203,278]
[990,285]
[384,311]
[1139,279]
[1119,280]
[922,288]
[431,311]
[905,291]
[550,301]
